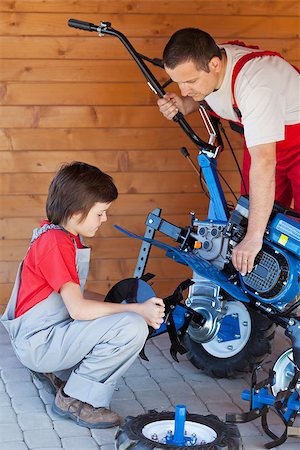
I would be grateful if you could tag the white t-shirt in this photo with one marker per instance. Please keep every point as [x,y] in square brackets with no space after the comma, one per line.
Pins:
[267,92]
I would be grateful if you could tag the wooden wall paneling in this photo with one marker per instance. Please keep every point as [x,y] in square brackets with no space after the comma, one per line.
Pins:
[242,26]
[91,48]
[68,95]
[170,7]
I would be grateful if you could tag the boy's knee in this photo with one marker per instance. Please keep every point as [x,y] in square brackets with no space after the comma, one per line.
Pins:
[136,327]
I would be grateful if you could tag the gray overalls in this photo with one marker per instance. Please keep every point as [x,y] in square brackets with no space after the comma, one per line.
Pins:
[90,354]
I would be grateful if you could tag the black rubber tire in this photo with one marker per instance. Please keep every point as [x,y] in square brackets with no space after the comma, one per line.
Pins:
[253,353]
[130,436]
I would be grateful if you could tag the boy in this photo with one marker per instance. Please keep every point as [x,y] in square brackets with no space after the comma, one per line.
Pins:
[53,326]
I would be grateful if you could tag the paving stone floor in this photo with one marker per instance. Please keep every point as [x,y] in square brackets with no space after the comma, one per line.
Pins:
[27,422]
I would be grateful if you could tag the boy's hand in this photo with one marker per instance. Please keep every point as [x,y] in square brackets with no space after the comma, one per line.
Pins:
[153,311]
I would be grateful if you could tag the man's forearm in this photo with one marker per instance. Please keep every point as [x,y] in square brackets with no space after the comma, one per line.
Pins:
[262,191]
[189,105]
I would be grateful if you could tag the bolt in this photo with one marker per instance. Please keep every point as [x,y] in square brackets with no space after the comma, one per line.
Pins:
[150,220]
[154,437]
[229,347]
[245,323]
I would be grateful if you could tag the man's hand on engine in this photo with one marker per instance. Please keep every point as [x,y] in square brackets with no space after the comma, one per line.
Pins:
[244,253]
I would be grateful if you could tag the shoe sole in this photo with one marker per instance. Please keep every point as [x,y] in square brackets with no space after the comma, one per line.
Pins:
[80,422]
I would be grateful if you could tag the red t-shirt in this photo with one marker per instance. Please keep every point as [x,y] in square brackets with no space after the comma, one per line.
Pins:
[49,263]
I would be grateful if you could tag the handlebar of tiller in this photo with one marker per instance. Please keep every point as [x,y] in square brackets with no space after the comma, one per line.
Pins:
[105,28]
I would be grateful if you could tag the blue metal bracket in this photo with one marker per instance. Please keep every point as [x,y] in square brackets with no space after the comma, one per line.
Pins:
[286,403]
[229,328]
[217,206]
[178,438]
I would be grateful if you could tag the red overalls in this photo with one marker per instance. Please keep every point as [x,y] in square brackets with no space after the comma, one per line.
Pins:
[287,151]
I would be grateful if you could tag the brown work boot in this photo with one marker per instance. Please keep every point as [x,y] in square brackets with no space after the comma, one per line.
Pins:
[84,414]
[52,381]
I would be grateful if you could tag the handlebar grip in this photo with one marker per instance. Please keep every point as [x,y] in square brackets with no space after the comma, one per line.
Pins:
[81,25]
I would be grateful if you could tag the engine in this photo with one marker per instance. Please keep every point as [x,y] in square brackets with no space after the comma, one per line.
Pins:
[275,277]
[211,243]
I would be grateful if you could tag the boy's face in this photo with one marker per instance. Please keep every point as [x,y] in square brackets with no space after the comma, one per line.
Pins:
[89,226]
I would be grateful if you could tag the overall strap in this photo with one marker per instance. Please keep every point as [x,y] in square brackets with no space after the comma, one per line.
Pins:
[237,126]
[238,67]
[37,232]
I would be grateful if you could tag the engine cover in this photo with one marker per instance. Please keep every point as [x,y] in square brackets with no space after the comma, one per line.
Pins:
[275,277]
[270,273]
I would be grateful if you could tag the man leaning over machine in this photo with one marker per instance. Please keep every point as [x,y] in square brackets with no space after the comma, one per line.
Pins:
[260,91]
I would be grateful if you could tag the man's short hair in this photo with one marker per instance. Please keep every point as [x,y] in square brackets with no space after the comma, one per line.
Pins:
[190,44]
[75,188]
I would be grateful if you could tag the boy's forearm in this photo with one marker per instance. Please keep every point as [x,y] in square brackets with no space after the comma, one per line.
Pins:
[89,295]
[89,309]
[81,308]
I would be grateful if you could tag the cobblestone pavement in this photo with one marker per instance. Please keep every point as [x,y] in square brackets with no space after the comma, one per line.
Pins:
[27,422]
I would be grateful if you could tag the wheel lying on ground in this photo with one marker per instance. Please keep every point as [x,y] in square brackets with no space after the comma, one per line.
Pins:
[284,369]
[146,432]
[228,358]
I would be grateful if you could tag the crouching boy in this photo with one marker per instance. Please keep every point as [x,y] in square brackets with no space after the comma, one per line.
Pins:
[79,345]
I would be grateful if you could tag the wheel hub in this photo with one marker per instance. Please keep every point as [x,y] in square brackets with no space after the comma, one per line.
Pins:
[157,432]
[204,298]
[211,327]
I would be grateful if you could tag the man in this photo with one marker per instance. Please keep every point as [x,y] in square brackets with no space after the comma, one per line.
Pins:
[265,97]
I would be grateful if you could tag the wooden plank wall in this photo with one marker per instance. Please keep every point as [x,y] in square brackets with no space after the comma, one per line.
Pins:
[68,95]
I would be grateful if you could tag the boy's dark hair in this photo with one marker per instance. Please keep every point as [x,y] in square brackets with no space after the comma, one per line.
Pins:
[75,189]
[190,44]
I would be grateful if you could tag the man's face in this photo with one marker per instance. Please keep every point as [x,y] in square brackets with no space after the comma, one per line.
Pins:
[193,82]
